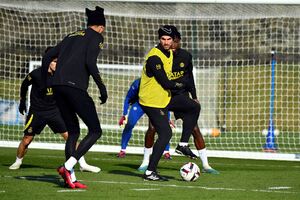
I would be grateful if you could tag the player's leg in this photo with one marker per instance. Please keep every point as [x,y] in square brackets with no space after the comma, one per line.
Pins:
[57,124]
[190,111]
[21,151]
[86,110]
[167,155]
[159,119]
[64,98]
[84,166]
[134,115]
[34,125]
[149,141]
[200,146]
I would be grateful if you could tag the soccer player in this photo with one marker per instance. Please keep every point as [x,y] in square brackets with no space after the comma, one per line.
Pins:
[42,111]
[155,99]
[130,120]
[183,72]
[77,60]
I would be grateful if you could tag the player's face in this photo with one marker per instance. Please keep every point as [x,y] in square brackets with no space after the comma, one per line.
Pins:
[52,66]
[166,42]
[176,44]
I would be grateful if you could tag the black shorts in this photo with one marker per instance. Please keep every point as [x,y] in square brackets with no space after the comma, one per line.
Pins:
[179,115]
[37,120]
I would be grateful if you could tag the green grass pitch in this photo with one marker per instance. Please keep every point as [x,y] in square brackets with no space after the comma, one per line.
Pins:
[119,179]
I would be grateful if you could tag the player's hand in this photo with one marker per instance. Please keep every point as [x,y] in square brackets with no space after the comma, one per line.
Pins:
[103,93]
[22,106]
[123,121]
[172,124]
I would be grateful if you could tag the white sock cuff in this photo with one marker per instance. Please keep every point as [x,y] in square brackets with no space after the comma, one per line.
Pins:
[147,172]
[70,163]
[19,159]
[148,150]
[202,150]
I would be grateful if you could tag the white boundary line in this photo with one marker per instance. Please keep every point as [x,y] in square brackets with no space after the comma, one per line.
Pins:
[146,183]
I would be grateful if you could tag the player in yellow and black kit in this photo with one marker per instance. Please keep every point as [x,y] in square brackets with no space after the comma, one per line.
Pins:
[77,60]
[155,98]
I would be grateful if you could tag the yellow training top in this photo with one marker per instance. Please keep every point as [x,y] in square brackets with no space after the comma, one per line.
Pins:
[151,93]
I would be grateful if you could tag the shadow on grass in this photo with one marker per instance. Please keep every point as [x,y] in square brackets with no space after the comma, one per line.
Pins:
[44,178]
[135,174]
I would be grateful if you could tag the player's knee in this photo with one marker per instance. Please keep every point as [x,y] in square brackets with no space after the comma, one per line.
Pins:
[97,132]
[168,135]
[27,140]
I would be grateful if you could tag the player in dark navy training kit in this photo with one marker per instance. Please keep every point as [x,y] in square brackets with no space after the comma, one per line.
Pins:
[43,111]
[77,60]
[183,72]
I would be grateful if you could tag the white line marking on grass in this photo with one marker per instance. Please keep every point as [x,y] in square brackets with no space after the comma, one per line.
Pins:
[144,189]
[279,188]
[71,190]
[2,191]
[167,185]
[193,187]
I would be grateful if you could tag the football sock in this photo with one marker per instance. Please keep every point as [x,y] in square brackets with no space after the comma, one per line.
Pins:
[73,177]
[203,157]
[147,153]
[70,163]
[19,160]
[82,161]
[147,172]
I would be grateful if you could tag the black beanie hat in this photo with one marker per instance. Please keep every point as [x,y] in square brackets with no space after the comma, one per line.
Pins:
[166,30]
[176,32]
[95,17]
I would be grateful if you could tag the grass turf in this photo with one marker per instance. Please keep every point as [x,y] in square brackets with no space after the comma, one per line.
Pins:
[119,179]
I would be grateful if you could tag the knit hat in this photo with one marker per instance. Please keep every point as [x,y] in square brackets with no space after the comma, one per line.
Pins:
[176,32]
[95,17]
[166,30]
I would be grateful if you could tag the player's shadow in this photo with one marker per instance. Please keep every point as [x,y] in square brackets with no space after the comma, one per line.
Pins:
[130,172]
[44,178]
[127,165]
[28,166]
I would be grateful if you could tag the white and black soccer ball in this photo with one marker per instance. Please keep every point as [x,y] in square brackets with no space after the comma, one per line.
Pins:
[189,172]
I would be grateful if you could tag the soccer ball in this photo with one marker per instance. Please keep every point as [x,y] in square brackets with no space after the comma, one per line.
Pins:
[189,172]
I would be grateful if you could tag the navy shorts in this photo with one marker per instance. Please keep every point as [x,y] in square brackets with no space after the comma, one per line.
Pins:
[37,120]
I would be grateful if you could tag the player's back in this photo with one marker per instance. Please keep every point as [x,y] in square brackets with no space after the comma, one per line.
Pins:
[72,60]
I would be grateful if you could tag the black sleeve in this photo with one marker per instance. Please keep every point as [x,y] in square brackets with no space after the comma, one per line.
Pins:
[93,51]
[24,87]
[47,59]
[192,88]
[154,67]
